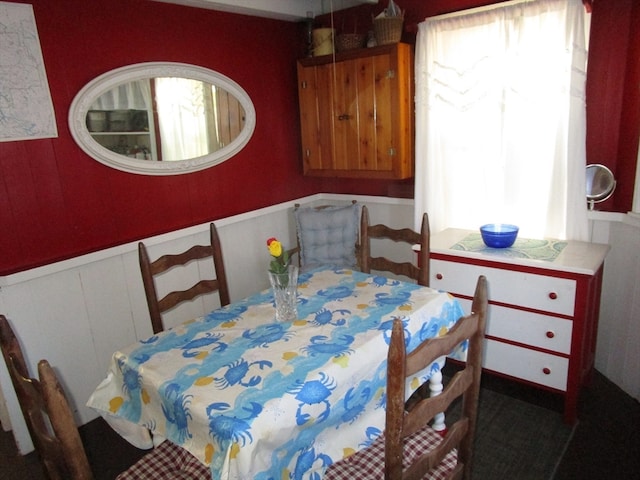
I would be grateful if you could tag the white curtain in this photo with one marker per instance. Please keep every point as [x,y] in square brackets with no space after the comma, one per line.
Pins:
[500,119]
[134,95]
[184,112]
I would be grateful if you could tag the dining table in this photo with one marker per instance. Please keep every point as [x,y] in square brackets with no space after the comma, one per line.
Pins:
[254,398]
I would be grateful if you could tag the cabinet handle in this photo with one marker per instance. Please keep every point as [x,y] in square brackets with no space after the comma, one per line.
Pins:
[553,295]
[550,334]
[344,116]
[439,276]
[546,370]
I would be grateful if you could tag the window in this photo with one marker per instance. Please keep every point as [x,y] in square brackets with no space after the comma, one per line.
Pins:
[500,118]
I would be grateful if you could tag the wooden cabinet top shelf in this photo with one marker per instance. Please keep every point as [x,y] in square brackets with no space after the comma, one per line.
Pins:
[351,54]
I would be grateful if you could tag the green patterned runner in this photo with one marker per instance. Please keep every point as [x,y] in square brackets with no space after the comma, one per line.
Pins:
[547,250]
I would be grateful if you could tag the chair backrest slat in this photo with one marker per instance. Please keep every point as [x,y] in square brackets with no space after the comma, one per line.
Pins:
[419,272]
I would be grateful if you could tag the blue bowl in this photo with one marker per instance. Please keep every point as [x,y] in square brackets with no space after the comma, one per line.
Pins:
[498,235]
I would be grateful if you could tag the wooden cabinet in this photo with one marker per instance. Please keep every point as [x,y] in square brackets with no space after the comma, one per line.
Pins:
[543,314]
[356,113]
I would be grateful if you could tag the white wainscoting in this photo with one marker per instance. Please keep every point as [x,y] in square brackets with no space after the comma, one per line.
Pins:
[77,312]
[618,347]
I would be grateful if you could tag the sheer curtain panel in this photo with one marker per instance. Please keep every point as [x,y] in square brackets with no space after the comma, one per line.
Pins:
[500,118]
[185,118]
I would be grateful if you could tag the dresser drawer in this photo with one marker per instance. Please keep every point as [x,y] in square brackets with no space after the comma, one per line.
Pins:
[537,330]
[540,292]
[530,365]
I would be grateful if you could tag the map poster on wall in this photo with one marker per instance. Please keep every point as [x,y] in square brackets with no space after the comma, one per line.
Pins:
[26,109]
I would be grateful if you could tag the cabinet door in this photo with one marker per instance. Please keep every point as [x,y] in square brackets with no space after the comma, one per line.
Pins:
[315,110]
[345,114]
[349,112]
[354,123]
[372,127]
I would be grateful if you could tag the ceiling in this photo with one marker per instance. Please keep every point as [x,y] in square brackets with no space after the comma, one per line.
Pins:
[289,10]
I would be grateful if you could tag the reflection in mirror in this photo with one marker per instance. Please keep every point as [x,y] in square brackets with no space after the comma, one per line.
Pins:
[162,118]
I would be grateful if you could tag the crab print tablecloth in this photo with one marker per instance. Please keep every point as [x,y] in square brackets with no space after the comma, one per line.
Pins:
[256,399]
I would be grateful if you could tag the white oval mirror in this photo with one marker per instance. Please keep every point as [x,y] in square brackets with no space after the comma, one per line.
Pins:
[162,118]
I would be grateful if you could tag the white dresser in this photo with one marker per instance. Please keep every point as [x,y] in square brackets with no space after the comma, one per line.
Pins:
[544,298]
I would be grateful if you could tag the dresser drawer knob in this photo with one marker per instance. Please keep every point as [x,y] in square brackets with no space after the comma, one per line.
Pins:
[546,370]
[550,334]
[553,295]
[439,276]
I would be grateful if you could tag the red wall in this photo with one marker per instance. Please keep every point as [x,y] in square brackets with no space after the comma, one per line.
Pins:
[56,202]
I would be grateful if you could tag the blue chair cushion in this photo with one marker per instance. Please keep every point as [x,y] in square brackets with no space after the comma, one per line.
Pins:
[328,236]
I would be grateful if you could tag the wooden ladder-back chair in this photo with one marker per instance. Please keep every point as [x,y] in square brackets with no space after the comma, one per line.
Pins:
[60,447]
[410,449]
[55,434]
[151,269]
[419,273]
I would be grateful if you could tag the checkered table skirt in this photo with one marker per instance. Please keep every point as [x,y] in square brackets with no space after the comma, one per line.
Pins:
[166,461]
[368,464]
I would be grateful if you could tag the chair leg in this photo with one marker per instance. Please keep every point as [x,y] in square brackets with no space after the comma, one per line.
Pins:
[435,387]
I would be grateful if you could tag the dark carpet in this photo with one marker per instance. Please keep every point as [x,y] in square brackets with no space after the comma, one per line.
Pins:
[517,439]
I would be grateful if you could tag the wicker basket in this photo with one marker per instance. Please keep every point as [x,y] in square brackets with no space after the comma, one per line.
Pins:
[388,29]
[350,41]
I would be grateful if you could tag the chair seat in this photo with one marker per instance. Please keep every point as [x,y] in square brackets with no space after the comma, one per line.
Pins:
[368,464]
[166,461]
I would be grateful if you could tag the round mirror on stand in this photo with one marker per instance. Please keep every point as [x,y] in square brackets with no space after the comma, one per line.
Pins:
[600,184]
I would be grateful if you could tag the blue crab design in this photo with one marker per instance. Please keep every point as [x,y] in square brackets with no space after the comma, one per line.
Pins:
[312,393]
[372,434]
[319,345]
[227,314]
[427,331]
[382,281]
[336,293]
[202,342]
[353,411]
[386,327]
[305,462]
[236,371]
[265,334]
[141,358]
[325,317]
[400,298]
[130,378]
[176,410]
[227,428]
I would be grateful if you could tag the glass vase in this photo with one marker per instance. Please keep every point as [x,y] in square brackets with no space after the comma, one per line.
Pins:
[285,293]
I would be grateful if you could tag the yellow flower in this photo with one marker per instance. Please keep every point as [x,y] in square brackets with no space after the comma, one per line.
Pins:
[275,248]
[280,256]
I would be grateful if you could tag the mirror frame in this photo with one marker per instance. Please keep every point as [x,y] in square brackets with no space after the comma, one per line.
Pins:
[592,171]
[139,71]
